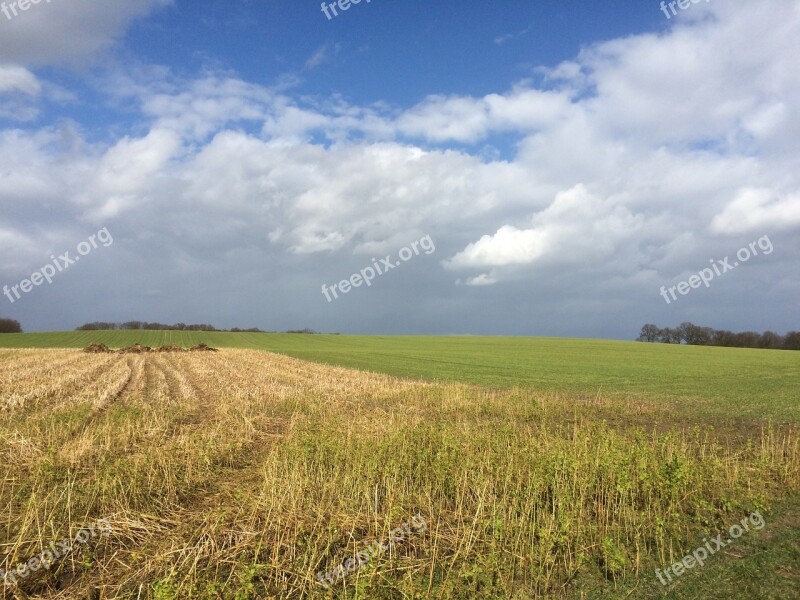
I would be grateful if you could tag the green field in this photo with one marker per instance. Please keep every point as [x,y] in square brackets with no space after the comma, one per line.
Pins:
[721,382]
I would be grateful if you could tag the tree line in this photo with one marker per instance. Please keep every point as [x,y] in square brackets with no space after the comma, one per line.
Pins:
[12,326]
[694,335]
[144,325]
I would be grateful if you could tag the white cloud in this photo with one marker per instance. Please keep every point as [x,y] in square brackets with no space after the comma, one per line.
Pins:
[322,55]
[204,106]
[18,86]
[460,119]
[502,39]
[758,209]
[67,31]
[127,174]
[13,78]
[481,280]
[509,246]
[576,227]
[441,119]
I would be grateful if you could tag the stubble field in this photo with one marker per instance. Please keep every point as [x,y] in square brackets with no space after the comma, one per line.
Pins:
[243,474]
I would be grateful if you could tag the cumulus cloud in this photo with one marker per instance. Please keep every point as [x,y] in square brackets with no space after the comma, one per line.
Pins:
[758,209]
[664,150]
[482,279]
[60,32]
[577,227]
[635,161]
[509,246]
[17,86]
[199,108]
[128,173]
[459,119]
[15,78]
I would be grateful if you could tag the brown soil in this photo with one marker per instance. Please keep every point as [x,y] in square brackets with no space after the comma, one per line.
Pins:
[97,349]
[171,348]
[139,349]
[202,348]
[135,349]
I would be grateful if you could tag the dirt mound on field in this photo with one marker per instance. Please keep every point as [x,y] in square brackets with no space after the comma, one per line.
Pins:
[97,349]
[170,348]
[139,349]
[202,348]
[135,349]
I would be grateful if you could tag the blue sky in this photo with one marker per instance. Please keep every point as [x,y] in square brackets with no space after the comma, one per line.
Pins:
[566,159]
[397,52]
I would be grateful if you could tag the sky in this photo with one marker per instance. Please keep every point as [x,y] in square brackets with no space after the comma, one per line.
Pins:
[538,167]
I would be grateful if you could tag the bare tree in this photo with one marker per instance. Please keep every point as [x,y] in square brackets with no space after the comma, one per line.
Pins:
[694,334]
[10,326]
[792,341]
[747,339]
[770,340]
[669,336]
[649,333]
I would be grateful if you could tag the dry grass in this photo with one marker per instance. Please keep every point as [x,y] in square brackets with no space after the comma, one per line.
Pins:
[240,474]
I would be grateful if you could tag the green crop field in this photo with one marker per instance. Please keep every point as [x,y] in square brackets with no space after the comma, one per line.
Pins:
[721,382]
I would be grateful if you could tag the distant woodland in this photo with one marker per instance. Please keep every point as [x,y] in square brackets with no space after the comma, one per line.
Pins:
[694,335]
